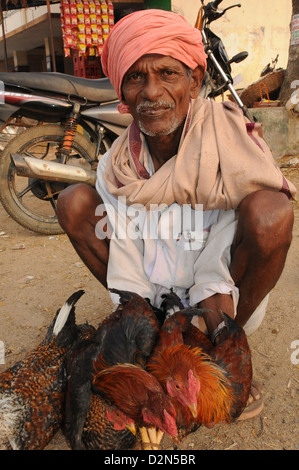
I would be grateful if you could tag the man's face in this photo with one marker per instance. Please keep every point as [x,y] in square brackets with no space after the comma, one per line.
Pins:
[157,90]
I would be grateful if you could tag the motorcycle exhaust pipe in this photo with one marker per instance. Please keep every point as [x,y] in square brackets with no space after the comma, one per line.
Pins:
[52,171]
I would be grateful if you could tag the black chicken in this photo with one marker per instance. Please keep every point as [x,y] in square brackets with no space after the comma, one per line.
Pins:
[125,336]
[128,334]
[90,422]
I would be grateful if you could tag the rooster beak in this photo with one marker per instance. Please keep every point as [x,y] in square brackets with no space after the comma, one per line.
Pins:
[131,427]
[193,409]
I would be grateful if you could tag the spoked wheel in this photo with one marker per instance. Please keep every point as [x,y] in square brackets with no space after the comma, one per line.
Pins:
[32,202]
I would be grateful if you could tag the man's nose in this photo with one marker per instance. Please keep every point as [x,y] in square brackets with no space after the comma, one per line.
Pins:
[152,88]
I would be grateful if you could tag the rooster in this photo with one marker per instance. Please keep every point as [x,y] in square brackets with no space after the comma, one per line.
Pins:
[198,387]
[32,391]
[226,349]
[139,395]
[125,336]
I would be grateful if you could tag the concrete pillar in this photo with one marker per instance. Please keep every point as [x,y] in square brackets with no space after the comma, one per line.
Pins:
[48,55]
[20,61]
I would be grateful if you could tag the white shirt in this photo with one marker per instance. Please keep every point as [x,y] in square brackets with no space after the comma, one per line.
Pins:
[174,247]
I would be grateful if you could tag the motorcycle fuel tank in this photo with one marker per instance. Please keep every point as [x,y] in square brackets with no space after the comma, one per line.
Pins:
[109,115]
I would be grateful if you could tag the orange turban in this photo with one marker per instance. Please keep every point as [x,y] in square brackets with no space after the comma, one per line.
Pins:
[150,32]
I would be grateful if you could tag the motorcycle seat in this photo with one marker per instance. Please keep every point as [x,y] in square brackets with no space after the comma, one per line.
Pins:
[98,90]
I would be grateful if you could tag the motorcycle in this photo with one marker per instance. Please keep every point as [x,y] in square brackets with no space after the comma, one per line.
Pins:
[67,123]
[218,77]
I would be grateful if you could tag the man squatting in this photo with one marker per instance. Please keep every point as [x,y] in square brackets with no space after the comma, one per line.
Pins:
[183,150]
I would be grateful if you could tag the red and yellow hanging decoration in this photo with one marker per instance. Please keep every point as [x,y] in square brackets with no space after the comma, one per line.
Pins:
[85,25]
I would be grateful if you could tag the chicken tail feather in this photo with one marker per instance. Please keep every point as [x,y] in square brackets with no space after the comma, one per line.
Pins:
[64,312]
[124,295]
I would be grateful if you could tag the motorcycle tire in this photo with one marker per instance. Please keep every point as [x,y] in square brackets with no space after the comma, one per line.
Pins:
[23,198]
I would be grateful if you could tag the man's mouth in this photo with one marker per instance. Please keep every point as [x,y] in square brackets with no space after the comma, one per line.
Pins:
[153,110]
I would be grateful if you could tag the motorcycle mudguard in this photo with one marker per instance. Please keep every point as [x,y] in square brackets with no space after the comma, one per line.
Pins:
[35,105]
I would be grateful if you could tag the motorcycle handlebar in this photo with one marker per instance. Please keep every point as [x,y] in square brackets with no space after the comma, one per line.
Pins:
[216,3]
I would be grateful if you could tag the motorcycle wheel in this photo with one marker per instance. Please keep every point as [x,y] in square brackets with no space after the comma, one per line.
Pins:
[26,199]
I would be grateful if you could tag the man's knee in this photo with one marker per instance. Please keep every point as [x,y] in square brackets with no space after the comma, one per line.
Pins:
[75,204]
[266,219]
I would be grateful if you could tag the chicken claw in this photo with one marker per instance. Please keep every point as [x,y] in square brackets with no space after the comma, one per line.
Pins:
[160,434]
[150,438]
[145,439]
[155,437]
[152,435]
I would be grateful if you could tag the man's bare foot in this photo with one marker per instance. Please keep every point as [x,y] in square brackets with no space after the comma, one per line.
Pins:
[255,402]
[254,406]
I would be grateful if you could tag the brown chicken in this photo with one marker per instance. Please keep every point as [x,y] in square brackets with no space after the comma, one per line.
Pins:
[139,395]
[106,427]
[32,391]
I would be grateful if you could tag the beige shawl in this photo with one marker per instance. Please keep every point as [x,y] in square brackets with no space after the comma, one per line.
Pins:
[220,160]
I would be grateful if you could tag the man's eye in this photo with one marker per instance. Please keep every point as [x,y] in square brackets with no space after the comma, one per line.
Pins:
[169,73]
[136,76]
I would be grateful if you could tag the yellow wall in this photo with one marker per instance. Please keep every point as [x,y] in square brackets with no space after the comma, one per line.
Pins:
[260,27]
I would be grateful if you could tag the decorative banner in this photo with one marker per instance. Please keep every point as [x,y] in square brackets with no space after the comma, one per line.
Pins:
[295,30]
[85,25]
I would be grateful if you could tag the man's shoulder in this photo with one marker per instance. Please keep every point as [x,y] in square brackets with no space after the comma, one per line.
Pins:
[203,103]
[103,160]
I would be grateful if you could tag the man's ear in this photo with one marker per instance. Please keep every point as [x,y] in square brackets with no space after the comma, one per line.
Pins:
[197,76]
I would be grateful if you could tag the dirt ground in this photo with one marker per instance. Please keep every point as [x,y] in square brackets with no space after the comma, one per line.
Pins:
[38,273]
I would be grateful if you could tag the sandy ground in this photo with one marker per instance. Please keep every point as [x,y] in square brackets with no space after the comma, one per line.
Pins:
[38,273]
